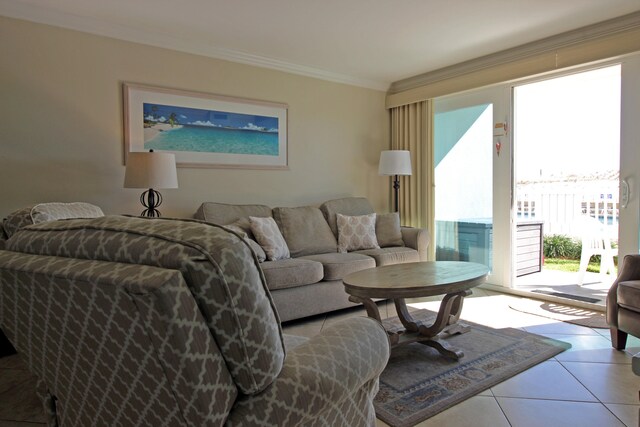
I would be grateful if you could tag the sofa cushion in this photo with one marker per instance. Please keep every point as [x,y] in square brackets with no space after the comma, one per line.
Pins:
[338,265]
[346,206]
[629,294]
[305,230]
[356,232]
[289,273]
[44,212]
[218,267]
[388,230]
[268,235]
[255,247]
[388,256]
[245,225]
[222,213]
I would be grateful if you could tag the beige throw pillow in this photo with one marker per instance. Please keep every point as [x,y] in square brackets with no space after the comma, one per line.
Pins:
[388,230]
[268,234]
[356,232]
[305,230]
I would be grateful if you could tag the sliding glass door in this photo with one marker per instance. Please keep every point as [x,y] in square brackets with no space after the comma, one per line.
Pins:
[479,216]
[471,148]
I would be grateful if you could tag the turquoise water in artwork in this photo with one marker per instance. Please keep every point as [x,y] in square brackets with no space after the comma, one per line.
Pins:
[215,140]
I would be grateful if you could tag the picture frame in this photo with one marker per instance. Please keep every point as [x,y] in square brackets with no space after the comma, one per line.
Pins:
[205,130]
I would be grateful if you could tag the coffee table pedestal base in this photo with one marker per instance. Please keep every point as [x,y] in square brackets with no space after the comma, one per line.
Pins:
[432,335]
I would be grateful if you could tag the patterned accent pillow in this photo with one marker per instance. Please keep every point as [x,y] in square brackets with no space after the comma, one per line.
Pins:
[356,232]
[268,234]
[257,249]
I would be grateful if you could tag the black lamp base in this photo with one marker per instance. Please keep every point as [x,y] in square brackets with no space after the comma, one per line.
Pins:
[396,190]
[151,199]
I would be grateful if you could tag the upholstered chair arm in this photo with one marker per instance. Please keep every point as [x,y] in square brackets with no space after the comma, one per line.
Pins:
[329,380]
[630,270]
[418,239]
[3,236]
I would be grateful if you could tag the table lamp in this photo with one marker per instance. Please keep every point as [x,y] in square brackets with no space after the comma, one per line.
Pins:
[394,163]
[151,170]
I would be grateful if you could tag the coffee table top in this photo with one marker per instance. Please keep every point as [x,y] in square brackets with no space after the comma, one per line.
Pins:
[415,279]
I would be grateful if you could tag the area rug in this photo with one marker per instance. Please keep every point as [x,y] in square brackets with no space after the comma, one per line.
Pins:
[562,313]
[418,382]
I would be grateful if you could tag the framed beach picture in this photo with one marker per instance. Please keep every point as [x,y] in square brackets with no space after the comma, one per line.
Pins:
[205,130]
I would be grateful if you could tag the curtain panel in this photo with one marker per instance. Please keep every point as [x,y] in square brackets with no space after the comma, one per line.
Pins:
[412,129]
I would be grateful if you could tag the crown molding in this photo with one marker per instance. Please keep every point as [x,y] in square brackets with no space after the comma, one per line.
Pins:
[41,15]
[592,32]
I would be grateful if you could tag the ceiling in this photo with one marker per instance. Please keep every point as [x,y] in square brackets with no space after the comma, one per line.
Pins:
[369,43]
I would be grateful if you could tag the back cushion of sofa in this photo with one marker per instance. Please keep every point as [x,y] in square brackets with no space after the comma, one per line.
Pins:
[305,230]
[217,265]
[223,214]
[351,206]
[16,220]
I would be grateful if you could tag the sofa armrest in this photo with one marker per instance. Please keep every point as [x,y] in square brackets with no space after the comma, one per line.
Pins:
[418,239]
[320,376]
[630,270]
[3,236]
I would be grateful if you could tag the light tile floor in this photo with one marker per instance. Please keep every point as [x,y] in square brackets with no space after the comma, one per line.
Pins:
[589,385]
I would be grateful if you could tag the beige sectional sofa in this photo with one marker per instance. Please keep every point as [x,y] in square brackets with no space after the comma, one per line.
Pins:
[309,282]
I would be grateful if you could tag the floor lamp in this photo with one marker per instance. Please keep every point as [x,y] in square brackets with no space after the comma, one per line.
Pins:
[395,163]
[150,170]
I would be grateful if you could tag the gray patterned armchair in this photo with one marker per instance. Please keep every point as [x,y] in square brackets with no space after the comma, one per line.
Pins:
[623,302]
[131,321]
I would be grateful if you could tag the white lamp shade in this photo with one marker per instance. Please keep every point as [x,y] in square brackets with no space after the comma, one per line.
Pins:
[151,170]
[395,162]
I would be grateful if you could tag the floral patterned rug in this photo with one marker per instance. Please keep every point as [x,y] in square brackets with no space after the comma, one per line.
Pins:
[418,382]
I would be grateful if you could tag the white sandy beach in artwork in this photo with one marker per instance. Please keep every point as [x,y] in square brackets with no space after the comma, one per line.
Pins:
[153,131]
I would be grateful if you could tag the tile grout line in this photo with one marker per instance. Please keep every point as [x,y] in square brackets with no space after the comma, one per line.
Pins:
[502,410]
[581,383]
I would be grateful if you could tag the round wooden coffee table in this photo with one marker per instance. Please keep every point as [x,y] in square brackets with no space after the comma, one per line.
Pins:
[453,279]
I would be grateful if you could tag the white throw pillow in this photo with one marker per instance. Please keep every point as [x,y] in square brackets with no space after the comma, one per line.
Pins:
[45,212]
[267,233]
[356,232]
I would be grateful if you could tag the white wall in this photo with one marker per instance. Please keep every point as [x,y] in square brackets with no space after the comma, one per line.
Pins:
[61,129]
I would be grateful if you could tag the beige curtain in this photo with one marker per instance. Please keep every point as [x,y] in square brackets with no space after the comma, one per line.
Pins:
[412,129]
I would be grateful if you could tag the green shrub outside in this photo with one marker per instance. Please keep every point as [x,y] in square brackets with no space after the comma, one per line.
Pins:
[561,246]
[562,252]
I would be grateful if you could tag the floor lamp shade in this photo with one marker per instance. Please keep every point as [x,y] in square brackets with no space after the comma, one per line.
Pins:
[395,162]
[151,170]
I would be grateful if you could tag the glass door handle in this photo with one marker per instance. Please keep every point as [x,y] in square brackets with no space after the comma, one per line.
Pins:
[624,196]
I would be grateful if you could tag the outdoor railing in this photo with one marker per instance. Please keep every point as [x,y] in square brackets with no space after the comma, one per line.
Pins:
[561,204]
